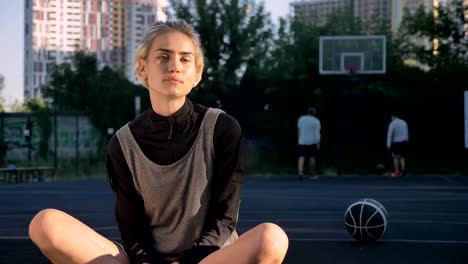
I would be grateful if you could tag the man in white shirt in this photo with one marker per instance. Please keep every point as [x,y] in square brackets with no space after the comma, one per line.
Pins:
[397,143]
[308,134]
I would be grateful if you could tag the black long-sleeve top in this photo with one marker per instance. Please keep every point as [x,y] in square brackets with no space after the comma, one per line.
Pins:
[164,140]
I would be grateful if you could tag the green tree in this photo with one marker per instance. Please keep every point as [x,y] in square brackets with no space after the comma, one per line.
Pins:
[2,82]
[105,95]
[436,41]
[236,38]
[294,82]
[2,85]
[37,106]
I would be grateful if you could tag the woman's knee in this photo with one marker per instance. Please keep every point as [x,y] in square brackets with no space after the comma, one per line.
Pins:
[44,227]
[274,241]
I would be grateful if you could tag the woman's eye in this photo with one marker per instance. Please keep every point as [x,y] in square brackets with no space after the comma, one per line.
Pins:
[186,60]
[163,57]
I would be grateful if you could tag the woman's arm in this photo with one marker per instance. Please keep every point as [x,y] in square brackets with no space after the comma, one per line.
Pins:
[129,209]
[227,182]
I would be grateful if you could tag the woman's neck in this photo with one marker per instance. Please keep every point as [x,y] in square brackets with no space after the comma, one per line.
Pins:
[165,106]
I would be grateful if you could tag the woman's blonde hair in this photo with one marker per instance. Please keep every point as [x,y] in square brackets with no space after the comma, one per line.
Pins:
[161,27]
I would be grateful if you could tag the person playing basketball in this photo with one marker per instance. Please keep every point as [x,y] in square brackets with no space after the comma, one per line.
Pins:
[308,137]
[397,143]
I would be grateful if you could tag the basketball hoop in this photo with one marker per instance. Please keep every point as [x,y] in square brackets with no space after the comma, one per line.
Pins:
[352,69]
[349,55]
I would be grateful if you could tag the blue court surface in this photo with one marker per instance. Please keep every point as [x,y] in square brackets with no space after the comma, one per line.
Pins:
[428,216]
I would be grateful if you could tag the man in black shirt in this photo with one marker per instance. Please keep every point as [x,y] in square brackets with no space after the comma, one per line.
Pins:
[176,172]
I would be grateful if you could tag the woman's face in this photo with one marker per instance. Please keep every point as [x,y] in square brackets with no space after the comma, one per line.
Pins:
[170,67]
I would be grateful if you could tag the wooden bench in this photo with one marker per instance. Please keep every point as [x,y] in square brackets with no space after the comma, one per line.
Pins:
[26,174]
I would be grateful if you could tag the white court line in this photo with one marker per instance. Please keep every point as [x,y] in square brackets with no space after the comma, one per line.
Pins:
[382,240]
[299,240]
[334,219]
[322,199]
[27,238]
[14,237]
[105,228]
[378,187]
[341,212]
[52,192]
[298,211]
[31,215]
[447,179]
[318,220]
[428,222]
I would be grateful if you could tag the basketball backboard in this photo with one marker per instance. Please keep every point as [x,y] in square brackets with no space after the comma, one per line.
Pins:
[361,54]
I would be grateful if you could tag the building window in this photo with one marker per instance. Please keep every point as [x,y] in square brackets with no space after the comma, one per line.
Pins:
[50,56]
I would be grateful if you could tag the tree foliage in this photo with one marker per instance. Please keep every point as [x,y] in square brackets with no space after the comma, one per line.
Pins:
[2,85]
[267,75]
[105,95]
[43,118]
[236,37]
[438,41]
[2,82]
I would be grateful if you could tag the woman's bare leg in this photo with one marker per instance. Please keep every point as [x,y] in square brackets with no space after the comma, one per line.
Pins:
[264,244]
[64,239]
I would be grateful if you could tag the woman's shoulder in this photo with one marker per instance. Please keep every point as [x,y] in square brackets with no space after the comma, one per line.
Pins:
[225,122]
[113,147]
[139,120]
[227,119]
[227,125]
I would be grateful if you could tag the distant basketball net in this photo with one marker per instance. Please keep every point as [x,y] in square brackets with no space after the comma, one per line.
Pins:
[352,55]
[351,69]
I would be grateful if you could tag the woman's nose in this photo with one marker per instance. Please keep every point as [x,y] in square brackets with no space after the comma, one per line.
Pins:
[174,64]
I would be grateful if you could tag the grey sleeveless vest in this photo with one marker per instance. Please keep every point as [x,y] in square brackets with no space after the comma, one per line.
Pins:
[176,196]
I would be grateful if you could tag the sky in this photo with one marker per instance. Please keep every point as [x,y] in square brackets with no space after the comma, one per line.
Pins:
[11,49]
[12,43]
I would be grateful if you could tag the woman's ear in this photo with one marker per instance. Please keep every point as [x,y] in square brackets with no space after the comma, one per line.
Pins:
[141,69]
[198,75]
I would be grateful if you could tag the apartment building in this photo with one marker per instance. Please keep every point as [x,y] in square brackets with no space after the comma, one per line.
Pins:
[318,11]
[109,29]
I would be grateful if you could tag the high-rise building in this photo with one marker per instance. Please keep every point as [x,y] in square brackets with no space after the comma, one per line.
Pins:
[398,7]
[139,17]
[318,11]
[465,4]
[109,29]
[369,10]
[429,6]
[52,33]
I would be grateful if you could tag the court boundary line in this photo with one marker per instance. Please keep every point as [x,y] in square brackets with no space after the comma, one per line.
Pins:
[302,240]
[380,240]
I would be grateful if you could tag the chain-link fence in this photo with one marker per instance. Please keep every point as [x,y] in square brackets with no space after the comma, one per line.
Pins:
[36,140]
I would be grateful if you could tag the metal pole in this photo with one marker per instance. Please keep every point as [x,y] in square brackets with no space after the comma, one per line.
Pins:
[28,137]
[2,122]
[77,144]
[137,106]
[55,129]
